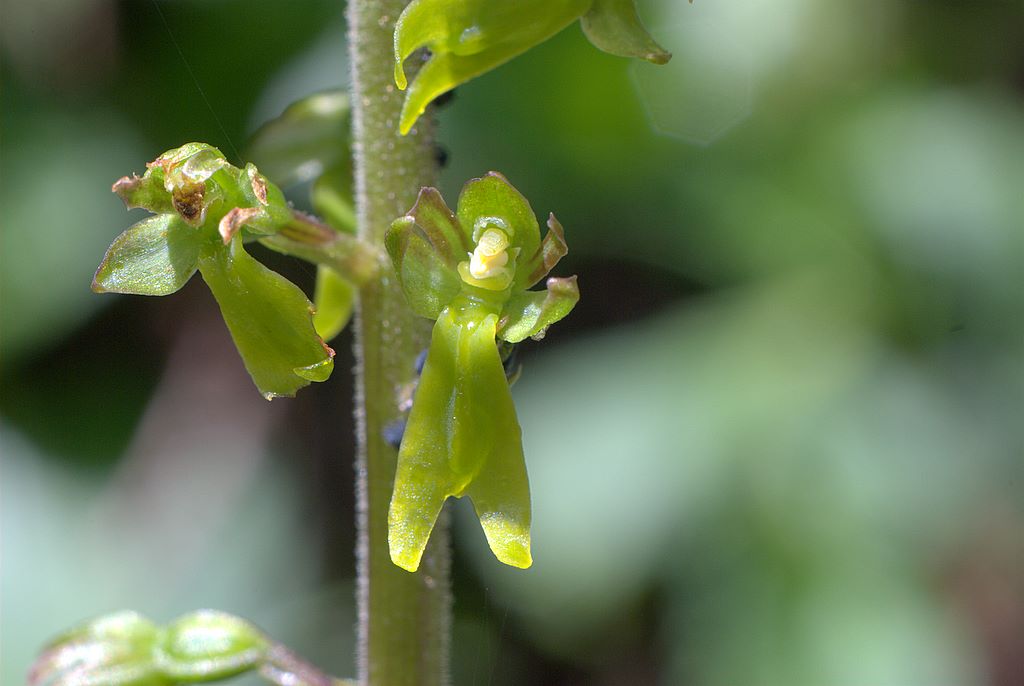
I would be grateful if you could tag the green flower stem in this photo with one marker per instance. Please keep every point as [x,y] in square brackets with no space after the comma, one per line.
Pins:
[403,617]
[285,668]
[310,240]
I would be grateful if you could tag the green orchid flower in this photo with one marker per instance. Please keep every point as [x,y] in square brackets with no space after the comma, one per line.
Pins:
[467,38]
[205,210]
[470,271]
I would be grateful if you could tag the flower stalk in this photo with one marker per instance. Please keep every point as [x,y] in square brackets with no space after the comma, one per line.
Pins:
[403,618]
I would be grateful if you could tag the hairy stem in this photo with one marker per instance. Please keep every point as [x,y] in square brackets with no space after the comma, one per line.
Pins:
[403,617]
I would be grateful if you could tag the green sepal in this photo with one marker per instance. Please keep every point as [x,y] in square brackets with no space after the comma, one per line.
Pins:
[145,191]
[208,646]
[428,280]
[270,320]
[333,301]
[114,650]
[462,438]
[310,137]
[467,38]
[257,190]
[530,313]
[614,27]
[156,256]
[491,201]
[552,249]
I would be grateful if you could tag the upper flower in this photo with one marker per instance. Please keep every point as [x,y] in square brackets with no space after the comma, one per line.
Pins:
[467,38]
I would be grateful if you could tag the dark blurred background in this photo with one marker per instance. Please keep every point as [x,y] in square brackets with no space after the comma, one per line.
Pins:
[778,443]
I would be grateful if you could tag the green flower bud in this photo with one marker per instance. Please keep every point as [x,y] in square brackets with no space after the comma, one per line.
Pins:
[467,38]
[208,645]
[115,650]
[469,270]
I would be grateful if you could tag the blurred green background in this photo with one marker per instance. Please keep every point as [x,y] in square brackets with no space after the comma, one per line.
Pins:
[779,443]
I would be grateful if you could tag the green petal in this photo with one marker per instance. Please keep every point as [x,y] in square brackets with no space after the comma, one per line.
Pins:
[441,228]
[544,259]
[613,26]
[493,201]
[207,646]
[270,320]
[470,37]
[333,302]
[530,313]
[429,282]
[153,257]
[462,438]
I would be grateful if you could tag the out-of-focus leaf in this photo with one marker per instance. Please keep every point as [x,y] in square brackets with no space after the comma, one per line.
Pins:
[310,137]
[333,301]
[270,320]
[332,197]
[157,256]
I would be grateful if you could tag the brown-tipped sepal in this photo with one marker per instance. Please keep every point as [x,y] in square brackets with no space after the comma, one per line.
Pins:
[615,27]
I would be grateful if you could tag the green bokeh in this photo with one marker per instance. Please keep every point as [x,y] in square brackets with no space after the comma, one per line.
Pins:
[777,442]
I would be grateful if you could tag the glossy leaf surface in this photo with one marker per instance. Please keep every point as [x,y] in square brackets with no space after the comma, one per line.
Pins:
[156,256]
